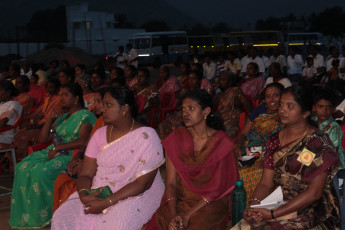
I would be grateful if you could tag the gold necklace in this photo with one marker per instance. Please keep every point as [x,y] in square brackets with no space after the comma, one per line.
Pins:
[111,132]
[305,132]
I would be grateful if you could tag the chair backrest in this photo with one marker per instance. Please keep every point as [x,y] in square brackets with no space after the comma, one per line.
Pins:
[20,120]
[340,175]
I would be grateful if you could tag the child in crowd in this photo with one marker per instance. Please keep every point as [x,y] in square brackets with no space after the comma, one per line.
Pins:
[324,106]
[309,72]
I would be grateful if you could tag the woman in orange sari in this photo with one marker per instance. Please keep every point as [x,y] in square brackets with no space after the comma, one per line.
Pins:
[201,170]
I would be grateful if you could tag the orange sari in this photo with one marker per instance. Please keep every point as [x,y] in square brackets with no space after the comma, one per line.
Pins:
[65,185]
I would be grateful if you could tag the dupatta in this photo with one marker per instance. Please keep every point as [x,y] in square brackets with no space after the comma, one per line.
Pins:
[211,173]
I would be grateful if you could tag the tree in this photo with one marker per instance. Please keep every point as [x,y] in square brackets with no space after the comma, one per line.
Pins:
[220,27]
[331,21]
[198,29]
[155,25]
[122,21]
[48,25]
[270,23]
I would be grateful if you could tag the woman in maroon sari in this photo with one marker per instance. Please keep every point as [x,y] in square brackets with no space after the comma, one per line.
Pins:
[201,170]
[302,160]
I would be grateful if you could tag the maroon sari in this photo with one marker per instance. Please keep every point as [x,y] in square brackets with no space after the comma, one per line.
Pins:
[209,173]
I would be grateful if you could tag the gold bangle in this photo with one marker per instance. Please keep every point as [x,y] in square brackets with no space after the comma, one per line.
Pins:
[206,200]
[83,189]
[171,198]
[110,201]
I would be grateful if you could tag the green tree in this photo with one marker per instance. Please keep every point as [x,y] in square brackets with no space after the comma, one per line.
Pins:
[122,21]
[270,23]
[48,25]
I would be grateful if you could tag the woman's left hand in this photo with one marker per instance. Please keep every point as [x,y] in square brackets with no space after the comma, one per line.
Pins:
[179,223]
[52,154]
[96,206]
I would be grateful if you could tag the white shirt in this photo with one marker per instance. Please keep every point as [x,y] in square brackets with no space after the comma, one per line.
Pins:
[295,64]
[285,82]
[309,72]
[341,63]
[121,58]
[257,60]
[209,70]
[133,54]
[12,110]
[280,59]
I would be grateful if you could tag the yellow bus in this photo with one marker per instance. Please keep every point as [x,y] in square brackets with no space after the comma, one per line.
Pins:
[264,39]
[212,44]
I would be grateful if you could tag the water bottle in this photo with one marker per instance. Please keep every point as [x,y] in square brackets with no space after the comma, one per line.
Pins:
[57,141]
[238,202]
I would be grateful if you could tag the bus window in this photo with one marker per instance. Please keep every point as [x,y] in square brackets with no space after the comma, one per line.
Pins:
[141,43]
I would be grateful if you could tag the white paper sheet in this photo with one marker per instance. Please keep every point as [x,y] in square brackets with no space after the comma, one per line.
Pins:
[274,200]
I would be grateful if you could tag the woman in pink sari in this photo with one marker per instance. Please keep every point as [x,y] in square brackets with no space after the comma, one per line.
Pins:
[124,156]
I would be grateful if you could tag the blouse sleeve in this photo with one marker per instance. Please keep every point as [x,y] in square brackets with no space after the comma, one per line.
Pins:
[96,142]
[271,146]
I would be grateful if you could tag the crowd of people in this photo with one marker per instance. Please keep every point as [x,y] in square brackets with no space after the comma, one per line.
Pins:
[88,158]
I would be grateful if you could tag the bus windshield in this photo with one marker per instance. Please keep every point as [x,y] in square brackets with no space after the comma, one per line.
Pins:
[141,43]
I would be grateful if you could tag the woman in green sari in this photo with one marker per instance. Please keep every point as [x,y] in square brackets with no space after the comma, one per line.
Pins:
[33,186]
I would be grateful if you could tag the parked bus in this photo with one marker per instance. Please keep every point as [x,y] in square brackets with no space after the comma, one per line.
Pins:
[303,40]
[160,47]
[265,40]
[212,44]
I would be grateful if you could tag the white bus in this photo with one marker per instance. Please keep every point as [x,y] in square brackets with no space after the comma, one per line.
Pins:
[160,47]
[303,40]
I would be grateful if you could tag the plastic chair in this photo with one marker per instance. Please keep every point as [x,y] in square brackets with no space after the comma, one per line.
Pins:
[340,175]
[167,104]
[4,148]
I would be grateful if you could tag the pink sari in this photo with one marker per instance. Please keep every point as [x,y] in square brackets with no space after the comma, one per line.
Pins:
[119,163]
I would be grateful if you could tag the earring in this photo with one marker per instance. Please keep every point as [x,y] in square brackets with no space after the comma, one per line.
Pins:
[123,113]
[205,116]
[75,103]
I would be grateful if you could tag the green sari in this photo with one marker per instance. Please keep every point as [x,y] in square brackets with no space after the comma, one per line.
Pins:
[33,186]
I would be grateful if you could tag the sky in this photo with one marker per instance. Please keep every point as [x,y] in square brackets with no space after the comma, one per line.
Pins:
[244,13]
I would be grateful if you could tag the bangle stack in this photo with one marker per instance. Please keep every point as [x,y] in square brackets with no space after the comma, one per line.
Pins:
[83,189]
[255,199]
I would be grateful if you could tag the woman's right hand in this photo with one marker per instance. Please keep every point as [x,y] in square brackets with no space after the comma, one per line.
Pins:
[252,216]
[74,166]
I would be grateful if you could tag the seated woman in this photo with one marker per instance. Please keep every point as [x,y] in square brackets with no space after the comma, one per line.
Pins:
[24,98]
[174,119]
[32,193]
[66,76]
[166,83]
[201,169]
[10,111]
[147,92]
[30,133]
[131,76]
[185,70]
[300,159]
[230,103]
[66,183]
[124,156]
[95,83]
[261,124]
[275,75]
[253,84]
